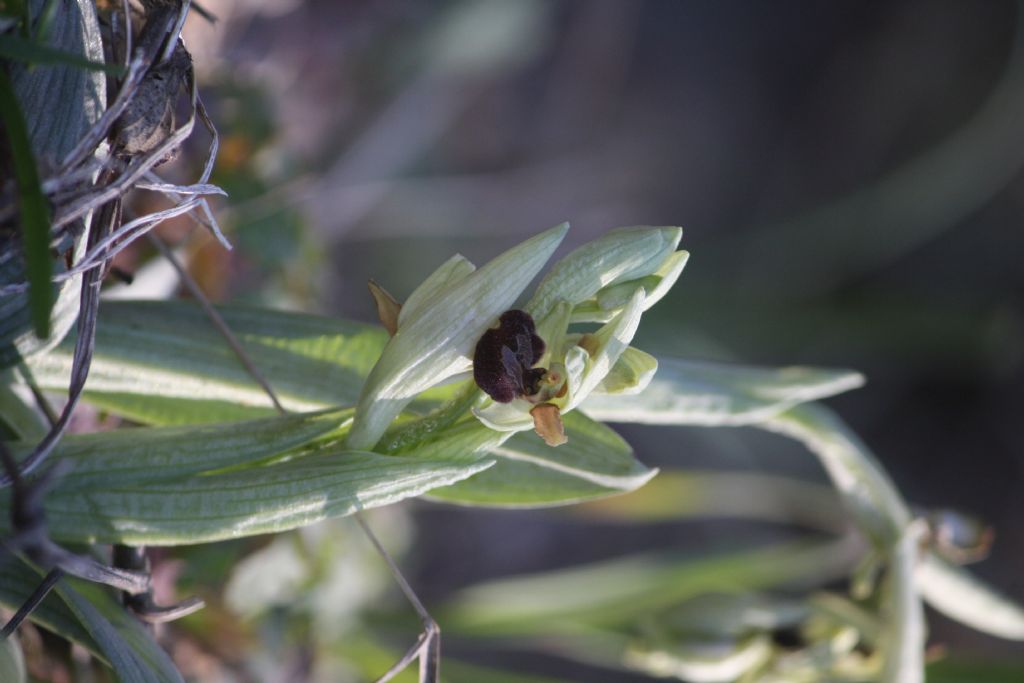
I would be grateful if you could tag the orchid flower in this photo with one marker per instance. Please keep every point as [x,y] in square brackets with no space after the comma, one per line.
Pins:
[530,364]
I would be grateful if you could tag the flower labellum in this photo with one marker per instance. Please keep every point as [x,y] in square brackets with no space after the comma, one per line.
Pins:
[505,355]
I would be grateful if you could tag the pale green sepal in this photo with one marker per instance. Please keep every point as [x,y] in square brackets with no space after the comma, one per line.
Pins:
[631,373]
[668,273]
[961,596]
[612,340]
[613,298]
[621,255]
[552,329]
[437,339]
[577,362]
[447,274]
[610,300]
[506,417]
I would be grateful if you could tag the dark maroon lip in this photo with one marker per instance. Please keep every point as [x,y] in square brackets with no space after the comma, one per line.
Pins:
[504,358]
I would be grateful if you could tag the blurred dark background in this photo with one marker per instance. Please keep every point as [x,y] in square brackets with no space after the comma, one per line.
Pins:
[848,176]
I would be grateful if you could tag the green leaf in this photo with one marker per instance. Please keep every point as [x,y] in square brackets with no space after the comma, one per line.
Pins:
[60,104]
[93,617]
[882,515]
[237,503]
[121,638]
[866,490]
[596,462]
[129,457]
[72,98]
[961,596]
[162,362]
[18,580]
[12,662]
[19,418]
[677,495]
[620,591]
[178,485]
[16,48]
[35,212]
[711,394]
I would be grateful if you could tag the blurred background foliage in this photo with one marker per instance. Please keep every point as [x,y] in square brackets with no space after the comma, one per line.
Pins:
[848,176]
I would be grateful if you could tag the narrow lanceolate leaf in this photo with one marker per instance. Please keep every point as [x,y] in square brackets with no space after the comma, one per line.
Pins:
[162,362]
[72,100]
[16,48]
[437,339]
[92,617]
[18,580]
[619,591]
[33,208]
[123,641]
[130,457]
[18,418]
[679,495]
[954,592]
[236,503]
[596,462]
[866,490]
[882,515]
[711,394]
[12,662]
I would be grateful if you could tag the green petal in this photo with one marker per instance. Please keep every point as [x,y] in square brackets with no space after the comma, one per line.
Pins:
[610,300]
[619,256]
[437,339]
[506,417]
[552,329]
[631,373]
[612,340]
[668,273]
